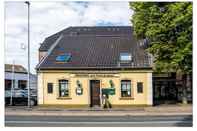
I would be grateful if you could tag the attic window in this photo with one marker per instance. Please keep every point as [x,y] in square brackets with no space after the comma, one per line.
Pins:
[64,57]
[125,57]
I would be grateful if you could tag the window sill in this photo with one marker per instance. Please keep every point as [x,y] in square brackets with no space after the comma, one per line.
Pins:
[126,98]
[64,98]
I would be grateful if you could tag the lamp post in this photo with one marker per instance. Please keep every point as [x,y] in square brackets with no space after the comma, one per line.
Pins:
[28,74]
[13,84]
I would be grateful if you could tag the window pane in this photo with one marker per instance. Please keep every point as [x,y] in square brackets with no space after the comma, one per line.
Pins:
[128,86]
[124,87]
[124,93]
[125,56]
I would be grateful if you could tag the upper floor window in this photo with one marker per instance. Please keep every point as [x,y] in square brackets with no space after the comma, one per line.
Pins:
[125,57]
[63,57]
[125,88]
[63,88]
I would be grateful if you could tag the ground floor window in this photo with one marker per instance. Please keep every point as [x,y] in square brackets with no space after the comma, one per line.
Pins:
[8,84]
[22,84]
[63,88]
[125,88]
[139,87]
[50,88]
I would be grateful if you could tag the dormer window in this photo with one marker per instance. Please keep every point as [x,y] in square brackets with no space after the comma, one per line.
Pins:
[125,57]
[63,57]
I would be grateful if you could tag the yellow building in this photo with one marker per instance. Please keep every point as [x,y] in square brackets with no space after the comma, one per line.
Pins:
[85,66]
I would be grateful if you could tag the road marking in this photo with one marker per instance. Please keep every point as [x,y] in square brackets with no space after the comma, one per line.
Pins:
[119,122]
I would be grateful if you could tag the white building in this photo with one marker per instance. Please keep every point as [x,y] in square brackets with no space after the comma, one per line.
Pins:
[20,78]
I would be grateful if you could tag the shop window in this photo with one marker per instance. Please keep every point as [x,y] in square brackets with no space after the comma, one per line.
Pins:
[50,88]
[63,88]
[22,84]
[139,87]
[125,88]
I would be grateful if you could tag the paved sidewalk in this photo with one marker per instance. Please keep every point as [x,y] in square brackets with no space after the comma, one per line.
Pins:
[163,110]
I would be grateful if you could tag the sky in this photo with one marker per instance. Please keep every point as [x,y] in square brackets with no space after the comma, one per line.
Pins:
[47,18]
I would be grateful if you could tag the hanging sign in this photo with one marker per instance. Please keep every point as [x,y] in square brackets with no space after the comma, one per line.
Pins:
[79,89]
[109,91]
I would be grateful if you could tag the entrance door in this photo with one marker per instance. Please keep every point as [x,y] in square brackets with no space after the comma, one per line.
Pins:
[95,92]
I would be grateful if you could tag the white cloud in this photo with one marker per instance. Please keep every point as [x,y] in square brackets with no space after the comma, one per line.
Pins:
[48,18]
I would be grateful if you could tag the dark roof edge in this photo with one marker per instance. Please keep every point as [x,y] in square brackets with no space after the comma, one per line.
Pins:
[17,72]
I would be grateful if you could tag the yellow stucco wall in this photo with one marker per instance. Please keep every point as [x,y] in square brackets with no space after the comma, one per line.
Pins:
[84,99]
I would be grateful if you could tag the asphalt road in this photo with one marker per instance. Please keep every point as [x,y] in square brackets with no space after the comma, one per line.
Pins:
[98,121]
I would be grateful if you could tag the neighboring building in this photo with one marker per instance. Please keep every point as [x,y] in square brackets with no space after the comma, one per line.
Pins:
[164,88]
[79,64]
[20,78]
[168,88]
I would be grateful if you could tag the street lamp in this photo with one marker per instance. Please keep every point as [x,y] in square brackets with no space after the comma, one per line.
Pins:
[28,81]
[13,84]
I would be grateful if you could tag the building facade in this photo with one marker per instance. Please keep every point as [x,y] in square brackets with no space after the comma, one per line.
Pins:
[17,75]
[82,66]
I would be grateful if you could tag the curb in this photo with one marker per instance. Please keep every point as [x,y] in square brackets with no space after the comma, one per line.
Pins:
[95,114]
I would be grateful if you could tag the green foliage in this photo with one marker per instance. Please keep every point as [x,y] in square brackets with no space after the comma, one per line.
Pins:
[168,27]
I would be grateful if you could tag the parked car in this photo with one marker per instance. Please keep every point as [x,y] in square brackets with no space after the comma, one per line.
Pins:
[20,97]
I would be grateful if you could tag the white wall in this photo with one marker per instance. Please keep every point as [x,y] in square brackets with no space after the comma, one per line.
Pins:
[22,76]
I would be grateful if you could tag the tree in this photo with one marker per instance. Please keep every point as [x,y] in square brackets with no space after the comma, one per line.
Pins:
[168,28]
